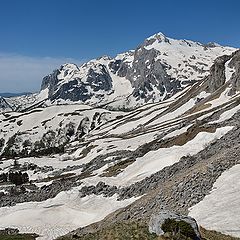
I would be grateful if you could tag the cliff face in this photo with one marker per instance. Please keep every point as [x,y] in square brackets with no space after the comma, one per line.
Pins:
[4,106]
[225,70]
[235,64]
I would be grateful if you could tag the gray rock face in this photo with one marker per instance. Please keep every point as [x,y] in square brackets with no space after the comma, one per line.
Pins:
[158,219]
[4,105]
[235,79]
[217,73]
[99,81]
[50,82]
[148,73]
[79,87]
[217,76]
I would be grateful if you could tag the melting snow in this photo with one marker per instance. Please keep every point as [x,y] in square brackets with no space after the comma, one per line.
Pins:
[228,71]
[227,114]
[220,209]
[60,215]
[155,161]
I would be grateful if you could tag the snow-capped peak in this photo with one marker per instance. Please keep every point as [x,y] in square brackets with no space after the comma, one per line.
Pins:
[69,66]
[160,67]
[159,36]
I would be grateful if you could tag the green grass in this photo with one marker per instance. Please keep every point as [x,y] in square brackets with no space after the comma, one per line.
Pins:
[133,230]
[119,231]
[213,235]
[18,237]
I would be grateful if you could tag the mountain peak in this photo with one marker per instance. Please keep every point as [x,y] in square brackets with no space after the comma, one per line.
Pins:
[160,37]
[72,66]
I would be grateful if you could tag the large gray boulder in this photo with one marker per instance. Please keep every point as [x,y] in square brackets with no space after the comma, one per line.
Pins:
[158,219]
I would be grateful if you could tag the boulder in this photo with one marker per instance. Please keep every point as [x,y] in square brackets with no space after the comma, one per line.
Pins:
[158,219]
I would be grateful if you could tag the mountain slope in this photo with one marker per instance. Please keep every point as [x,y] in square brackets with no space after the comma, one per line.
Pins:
[155,71]
[4,105]
[183,184]
[86,163]
[161,155]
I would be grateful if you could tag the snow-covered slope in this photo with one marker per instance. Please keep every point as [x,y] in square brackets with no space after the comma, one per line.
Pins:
[27,101]
[50,127]
[219,210]
[80,156]
[107,152]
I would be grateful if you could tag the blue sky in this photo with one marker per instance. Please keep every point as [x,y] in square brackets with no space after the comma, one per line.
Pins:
[38,35]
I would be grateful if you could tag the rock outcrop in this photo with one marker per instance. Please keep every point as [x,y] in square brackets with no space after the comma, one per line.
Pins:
[225,70]
[159,218]
[4,105]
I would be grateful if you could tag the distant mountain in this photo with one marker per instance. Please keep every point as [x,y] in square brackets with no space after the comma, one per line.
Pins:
[153,72]
[7,95]
[156,70]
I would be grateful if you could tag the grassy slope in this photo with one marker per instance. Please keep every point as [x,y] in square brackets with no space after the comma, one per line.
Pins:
[139,231]
[123,231]
[18,237]
[213,235]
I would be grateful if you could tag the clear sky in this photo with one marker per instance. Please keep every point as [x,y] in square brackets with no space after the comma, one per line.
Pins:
[38,35]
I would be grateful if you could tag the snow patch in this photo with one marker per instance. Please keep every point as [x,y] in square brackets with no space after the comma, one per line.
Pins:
[220,209]
[60,215]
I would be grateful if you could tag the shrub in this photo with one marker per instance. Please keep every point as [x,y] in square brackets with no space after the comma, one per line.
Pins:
[178,228]
[186,229]
[18,178]
[170,225]
[2,141]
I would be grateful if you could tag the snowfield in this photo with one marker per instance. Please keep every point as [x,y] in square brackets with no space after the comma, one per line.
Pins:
[60,215]
[155,161]
[68,211]
[220,209]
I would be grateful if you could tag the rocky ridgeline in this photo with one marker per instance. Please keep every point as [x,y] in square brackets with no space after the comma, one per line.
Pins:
[156,70]
[217,76]
[4,105]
